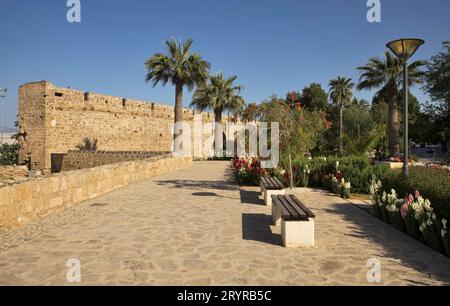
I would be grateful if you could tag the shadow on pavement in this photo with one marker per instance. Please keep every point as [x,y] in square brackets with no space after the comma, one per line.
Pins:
[256,227]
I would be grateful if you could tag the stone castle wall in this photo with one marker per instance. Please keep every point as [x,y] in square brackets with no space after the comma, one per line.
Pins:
[75,160]
[55,120]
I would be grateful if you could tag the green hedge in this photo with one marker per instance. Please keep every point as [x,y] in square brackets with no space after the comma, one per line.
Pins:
[433,184]
[355,169]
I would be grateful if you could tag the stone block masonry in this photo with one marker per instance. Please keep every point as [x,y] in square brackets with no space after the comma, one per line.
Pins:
[55,120]
[75,160]
[23,203]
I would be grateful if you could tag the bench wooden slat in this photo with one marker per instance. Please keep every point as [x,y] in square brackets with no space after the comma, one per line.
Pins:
[264,181]
[303,207]
[285,214]
[271,183]
[292,209]
[303,214]
[296,212]
[276,182]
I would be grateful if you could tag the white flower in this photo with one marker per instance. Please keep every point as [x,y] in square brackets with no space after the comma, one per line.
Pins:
[394,193]
[347,185]
[379,185]
[421,228]
[372,189]
[444,223]
[429,222]
[443,233]
[433,216]
[427,205]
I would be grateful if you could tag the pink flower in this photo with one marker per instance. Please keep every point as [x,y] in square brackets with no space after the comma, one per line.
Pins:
[410,199]
[417,194]
[404,210]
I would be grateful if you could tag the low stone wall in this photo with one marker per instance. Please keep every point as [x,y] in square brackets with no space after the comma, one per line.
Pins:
[75,160]
[23,203]
[10,173]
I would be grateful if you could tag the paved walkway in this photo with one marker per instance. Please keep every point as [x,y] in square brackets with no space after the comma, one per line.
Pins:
[196,227]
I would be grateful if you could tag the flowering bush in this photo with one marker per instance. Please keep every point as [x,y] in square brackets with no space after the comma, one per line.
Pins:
[303,176]
[345,189]
[445,237]
[413,215]
[248,170]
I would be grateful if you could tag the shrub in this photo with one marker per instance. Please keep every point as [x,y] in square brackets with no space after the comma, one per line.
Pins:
[355,169]
[9,154]
[413,215]
[248,171]
[433,184]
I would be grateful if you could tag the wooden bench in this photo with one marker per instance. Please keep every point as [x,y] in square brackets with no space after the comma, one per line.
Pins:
[297,221]
[271,186]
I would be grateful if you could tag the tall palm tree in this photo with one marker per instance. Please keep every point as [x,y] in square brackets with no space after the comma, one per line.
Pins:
[341,94]
[179,67]
[386,75]
[219,94]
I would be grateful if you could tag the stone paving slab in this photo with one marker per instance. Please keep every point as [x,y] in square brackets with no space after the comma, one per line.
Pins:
[197,227]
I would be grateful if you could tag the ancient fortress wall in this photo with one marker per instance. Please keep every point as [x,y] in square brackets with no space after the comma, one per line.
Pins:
[55,120]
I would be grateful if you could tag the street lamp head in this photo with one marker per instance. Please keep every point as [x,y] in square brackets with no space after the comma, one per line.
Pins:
[406,47]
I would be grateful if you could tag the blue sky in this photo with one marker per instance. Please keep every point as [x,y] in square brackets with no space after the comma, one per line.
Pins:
[272,46]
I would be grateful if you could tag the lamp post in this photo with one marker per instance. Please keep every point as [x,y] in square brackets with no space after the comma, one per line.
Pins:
[3,92]
[404,49]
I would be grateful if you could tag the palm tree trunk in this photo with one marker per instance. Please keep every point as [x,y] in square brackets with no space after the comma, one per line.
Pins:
[218,133]
[178,138]
[341,129]
[393,124]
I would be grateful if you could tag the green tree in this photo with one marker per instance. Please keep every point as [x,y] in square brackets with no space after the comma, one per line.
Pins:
[179,67]
[251,112]
[437,85]
[386,75]
[359,128]
[219,94]
[437,75]
[299,128]
[341,94]
[313,97]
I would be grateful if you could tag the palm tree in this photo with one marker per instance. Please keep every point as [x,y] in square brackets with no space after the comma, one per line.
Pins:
[179,67]
[219,94]
[341,94]
[386,75]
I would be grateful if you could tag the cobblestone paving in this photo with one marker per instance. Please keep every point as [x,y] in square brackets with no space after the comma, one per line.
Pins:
[196,227]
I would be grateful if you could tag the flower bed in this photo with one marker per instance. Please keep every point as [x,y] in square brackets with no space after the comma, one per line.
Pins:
[413,215]
[248,171]
[434,184]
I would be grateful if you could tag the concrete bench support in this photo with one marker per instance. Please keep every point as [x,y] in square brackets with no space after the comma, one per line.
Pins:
[269,193]
[297,233]
[297,221]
